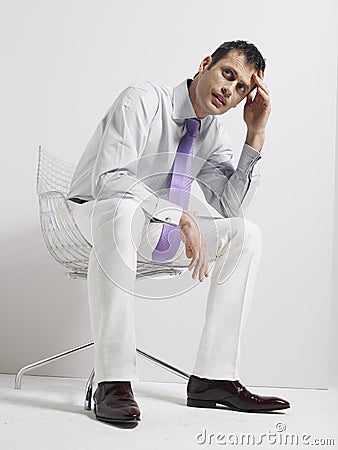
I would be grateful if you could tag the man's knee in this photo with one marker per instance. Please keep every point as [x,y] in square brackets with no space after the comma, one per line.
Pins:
[236,233]
[121,219]
[121,211]
[245,227]
[253,232]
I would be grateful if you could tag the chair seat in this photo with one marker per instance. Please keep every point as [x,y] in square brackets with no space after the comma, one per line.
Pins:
[144,269]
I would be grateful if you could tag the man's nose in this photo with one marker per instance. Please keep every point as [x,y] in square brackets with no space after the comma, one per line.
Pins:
[227,91]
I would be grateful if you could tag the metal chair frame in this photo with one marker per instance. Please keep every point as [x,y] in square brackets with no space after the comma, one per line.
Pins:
[69,247]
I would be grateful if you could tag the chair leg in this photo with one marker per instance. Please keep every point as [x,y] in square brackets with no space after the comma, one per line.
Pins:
[89,384]
[164,365]
[89,391]
[21,372]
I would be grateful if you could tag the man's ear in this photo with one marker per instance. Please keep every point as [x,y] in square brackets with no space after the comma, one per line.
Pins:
[205,64]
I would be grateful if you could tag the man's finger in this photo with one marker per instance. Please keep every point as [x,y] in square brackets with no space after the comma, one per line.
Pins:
[197,269]
[205,271]
[250,97]
[261,84]
[193,261]
[264,95]
[197,259]
[202,272]
[188,251]
[202,266]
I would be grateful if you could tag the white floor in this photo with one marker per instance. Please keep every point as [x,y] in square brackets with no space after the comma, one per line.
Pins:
[47,413]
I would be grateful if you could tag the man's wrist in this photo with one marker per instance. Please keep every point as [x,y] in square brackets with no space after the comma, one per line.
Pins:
[185,219]
[255,139]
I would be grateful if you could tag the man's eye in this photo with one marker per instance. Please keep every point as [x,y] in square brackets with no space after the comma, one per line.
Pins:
[241,87]
[227,72]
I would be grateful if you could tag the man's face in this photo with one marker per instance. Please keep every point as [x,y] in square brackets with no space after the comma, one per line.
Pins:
[224,86]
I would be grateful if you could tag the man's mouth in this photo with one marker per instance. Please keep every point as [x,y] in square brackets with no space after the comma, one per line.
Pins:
[219,100]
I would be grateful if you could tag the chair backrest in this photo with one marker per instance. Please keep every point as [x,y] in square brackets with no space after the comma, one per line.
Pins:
[53,174]
[61,234]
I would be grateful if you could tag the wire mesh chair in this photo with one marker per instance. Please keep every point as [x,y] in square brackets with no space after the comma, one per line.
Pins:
[69,247]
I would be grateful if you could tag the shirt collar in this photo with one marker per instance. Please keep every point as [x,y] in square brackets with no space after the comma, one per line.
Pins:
[182,106]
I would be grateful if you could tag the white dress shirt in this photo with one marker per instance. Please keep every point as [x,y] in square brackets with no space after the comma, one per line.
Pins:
[133,148]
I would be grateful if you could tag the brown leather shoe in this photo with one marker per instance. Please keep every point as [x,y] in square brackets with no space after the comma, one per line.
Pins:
[205,393]
[114,402]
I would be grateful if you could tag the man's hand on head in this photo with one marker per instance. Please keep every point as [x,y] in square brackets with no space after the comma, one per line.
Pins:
[256,113]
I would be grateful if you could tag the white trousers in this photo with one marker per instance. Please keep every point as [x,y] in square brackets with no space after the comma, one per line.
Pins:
[120,236]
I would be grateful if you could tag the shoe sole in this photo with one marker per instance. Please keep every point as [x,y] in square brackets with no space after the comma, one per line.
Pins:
[212,404]
[104,419]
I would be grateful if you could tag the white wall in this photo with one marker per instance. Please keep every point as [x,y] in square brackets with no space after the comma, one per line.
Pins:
[333,360]
[63,64]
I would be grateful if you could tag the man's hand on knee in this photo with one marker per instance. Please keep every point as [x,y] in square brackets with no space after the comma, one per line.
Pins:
[195,246]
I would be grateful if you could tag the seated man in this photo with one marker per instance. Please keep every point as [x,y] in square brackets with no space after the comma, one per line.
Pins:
[130,196]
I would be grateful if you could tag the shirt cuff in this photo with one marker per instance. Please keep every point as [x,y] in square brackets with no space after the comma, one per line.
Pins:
[247,160]
[167,212]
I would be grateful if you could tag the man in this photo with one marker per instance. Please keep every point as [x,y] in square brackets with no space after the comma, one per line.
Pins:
[130,196]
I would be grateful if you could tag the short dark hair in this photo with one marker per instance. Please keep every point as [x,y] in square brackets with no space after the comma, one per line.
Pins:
[251,52]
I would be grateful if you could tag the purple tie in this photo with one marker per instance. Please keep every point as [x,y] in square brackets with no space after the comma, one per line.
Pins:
[179,192]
